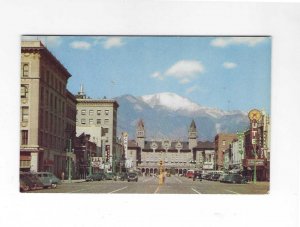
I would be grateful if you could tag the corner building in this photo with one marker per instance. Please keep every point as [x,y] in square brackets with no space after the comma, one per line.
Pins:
[98,118]
[47,110]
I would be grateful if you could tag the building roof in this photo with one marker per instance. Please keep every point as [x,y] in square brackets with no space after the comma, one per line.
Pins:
[205,145]
[98,101]
[193,125]
[27,46]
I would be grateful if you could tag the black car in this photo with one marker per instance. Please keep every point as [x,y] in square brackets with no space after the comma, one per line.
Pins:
[29,181]
[95,177]
[215,177]
[198,175]
[122,176]
[132,177]
[235,179]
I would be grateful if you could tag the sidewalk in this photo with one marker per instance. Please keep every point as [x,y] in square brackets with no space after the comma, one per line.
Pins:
[73,181]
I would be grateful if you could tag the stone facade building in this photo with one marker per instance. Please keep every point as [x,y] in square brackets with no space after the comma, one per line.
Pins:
[177,156]
[98,118]
[44,117]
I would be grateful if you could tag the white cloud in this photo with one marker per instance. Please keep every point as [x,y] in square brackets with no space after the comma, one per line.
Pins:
[113,42]
[49,41]
[229,65]
[185,70]
[80,45]
[157,75]
[192,89]
[226,41]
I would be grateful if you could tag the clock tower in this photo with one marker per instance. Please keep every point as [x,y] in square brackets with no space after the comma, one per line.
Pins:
[192,135]
[140,134]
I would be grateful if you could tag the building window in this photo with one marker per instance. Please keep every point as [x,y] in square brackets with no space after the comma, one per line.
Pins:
[224,142]
[47,76]
[83,121]
[55,102]
[42,96]
[106,121]
[83,112]
[51,100]
[98,112]
[98,121]
[46,120]
[25,113]
[91,121]
[91,112]
[25,70]
[24,137]
[106,112]
[24,91]
[41,138]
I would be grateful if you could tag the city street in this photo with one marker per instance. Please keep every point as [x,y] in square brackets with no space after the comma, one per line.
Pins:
[149,185]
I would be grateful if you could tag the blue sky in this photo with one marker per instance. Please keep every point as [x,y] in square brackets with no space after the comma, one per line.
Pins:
[229,73]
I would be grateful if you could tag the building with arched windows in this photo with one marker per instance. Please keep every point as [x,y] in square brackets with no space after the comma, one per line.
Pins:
[178,156]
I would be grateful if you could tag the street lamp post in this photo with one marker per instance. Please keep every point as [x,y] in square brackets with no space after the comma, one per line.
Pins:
[69,161]
[90,164]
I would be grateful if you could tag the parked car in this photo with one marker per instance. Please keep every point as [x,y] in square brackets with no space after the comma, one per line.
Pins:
[48,179]
[235,179]
[109,176]
[132,177]
[122,176]
[215,176]
[29,181]
[208,176]
[222,177]
[95,177]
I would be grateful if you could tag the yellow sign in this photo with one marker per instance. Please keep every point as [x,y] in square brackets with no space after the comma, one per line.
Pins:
[254,115]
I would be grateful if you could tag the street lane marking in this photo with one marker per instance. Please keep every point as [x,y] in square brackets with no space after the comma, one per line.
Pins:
[196,191]
[231,191]
[178,180]
[156,190]
[78,190]
[118,190]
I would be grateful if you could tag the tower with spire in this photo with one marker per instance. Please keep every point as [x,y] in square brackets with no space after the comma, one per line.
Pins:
[140,134]
[193,135]
[81,94]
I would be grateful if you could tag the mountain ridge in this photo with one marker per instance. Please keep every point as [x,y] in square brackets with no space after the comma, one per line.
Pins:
[165,119]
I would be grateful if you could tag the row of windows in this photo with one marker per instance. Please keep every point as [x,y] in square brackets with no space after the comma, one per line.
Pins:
[51,141]
[91,112]
[53,123]
[91,121]
[52,101]
[50,78]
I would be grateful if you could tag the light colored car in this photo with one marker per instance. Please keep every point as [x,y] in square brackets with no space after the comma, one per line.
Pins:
[48,179]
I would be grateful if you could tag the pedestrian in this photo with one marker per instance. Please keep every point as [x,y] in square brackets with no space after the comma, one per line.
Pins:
[62,175]
[195,175]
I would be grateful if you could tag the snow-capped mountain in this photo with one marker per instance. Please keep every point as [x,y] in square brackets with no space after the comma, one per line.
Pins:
[174,102]
[170,101]
[170,115]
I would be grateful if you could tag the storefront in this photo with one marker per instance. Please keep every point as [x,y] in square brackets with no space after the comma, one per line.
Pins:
[249,166]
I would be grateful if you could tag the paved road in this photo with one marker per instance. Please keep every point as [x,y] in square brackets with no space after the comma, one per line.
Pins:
[149,185]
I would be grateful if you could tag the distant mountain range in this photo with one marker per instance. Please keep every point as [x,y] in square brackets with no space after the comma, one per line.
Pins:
[168,115]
